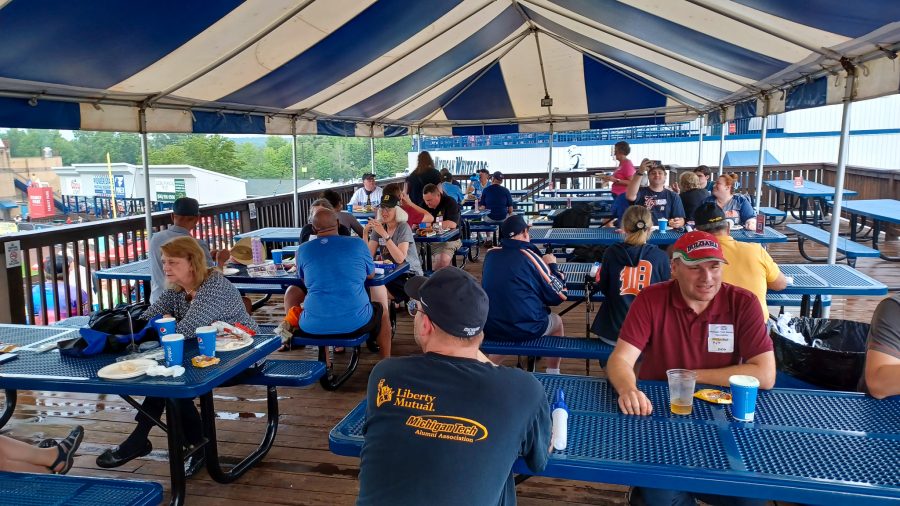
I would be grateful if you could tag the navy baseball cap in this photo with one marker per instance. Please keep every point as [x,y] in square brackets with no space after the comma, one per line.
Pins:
[453,299]
[514,225]
[186,206]
[497,175]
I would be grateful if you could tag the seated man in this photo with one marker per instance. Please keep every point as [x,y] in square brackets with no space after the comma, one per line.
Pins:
[445,211]
[749,264]
[450,187]
[692,322]
[662,202]
[882,378]
[444,427]
[367,196]
[334,270]
[496,199]
[522,285]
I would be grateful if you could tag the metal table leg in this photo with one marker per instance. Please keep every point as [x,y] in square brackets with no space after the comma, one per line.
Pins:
[176,451]
[208,416]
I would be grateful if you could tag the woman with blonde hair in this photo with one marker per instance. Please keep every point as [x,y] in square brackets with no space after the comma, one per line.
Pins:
[196,295]
[737,208]
[627,268]
[692,193]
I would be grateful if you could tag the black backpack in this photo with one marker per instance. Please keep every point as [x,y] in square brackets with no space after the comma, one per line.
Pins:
[577,216]
[115,320]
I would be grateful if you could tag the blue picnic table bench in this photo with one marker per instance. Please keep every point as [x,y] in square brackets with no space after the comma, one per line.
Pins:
[26,489]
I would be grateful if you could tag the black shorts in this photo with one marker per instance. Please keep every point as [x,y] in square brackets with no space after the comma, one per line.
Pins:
[395,287]
[372,327]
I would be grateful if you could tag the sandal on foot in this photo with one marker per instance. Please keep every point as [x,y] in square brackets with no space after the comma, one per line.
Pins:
[67,448]
[47,443]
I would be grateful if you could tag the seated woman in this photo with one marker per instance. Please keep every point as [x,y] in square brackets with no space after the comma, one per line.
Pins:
[692,194]
[344,218]
[737,207]
[628,268]
[48,457]
[196,296]
[394,241]
[334,270]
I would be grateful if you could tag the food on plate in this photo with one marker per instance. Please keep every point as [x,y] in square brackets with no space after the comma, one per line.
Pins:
[713,396]
[204,361]
[6,348]
[127,367]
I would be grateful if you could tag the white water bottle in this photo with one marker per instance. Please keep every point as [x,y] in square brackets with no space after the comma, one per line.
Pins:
[595,270]
[560,415]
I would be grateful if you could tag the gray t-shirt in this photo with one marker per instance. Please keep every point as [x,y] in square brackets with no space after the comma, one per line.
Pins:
[884,334]
[157,276]
[348,220]
[401,235]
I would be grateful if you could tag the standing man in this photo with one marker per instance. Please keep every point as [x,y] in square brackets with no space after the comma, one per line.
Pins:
[444,427]
[662,202]
[749,265]
[522,286]
[692,322]
[497,199]
[185,216]
[446,211]
[367,196]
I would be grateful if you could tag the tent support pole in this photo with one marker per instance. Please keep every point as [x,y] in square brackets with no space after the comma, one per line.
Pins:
[842,162]
[372,150]
[550,161]
[700,143]
[762,158]
[296,198]
[722,148]
[145,161]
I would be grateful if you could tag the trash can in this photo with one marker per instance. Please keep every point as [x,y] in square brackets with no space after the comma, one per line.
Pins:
[837,360]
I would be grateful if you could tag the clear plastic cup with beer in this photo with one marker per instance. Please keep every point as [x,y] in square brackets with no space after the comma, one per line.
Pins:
[681,390]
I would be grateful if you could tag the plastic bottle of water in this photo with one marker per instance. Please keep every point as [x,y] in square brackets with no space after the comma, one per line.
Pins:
[256,250]
[560,415]
[595,270]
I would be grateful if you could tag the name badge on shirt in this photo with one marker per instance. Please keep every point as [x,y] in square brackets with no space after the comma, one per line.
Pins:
[721,338]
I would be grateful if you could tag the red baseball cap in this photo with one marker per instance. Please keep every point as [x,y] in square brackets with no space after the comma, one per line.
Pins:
[697,247]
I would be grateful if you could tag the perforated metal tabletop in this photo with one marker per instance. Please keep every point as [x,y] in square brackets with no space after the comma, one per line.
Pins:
[608,236]
[561,201]
[879,209]
[26,489]
[448,235]
[806,446]
[273,234]
[138,271]
[29,336]
[570,191]
[810,189]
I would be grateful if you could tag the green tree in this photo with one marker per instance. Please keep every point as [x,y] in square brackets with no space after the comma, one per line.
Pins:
[92,147]
[212,152]
[25,142]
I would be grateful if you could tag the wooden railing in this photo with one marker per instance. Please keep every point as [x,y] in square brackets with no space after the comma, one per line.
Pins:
[89,244]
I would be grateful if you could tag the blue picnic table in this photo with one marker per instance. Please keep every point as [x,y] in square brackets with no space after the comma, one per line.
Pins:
[564,201]
[273,234]
[31,370]
[806,446]
[472,214]
[26,489]
[608,235]
[426,242]
[879,210]
[817,192]
[572,191]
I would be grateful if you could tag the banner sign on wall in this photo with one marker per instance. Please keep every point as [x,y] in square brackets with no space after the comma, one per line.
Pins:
[40,202]
[119,185]
[102,186]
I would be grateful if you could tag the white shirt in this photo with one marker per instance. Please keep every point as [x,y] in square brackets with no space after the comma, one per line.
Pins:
[359,197]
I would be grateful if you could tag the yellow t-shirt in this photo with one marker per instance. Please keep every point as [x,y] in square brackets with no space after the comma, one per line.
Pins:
[749,266]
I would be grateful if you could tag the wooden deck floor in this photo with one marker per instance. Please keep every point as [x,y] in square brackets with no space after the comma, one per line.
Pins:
[300,469]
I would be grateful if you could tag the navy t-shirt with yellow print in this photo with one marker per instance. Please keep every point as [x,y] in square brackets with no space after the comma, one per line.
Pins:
[447,430]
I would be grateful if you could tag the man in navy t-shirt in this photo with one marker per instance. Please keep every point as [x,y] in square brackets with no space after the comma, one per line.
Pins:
[496,199]
[334,269]
[661,202]
[443,428]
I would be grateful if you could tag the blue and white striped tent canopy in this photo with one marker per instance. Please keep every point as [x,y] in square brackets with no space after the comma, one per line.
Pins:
[438,67]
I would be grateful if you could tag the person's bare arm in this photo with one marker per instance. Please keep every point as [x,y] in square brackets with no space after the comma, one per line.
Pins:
[779,284]
[635,183]
[620,370]
[882,374]
[448,225]
[761,367]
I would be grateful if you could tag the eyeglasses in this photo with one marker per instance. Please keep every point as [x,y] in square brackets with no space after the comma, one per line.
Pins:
[413,307]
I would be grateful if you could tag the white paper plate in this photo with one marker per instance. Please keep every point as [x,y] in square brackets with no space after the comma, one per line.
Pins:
[230,271]
[737,227]
[126,369]
[232,344]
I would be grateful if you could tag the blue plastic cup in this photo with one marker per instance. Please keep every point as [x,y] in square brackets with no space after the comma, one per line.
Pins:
[278,256]
[743,397]
[663,225]
[173,345]
[206,340]
[349,208]
[165,326]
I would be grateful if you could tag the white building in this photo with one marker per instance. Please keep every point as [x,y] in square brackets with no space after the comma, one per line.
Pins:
[167,182]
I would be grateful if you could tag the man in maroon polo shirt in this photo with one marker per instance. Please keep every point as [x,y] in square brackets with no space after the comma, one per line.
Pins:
[692,322]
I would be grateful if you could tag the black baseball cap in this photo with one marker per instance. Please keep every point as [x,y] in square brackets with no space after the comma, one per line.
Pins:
[497,175]
[388,200]
[484,171]
[453,299]
[368,175]
[186,206]
[514,225]
[708,213]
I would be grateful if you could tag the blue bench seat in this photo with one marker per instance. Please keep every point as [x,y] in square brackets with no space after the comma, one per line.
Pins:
[52,489]
[550,346]
[286,373]
[849,249]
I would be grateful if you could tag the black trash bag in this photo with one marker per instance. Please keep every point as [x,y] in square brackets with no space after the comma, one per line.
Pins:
[577,216]
[837,365]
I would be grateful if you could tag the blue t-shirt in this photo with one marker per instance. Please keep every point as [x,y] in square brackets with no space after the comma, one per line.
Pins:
[662,204]
[453,191]
[624,272]
[444,430]
[334,270]
[498,200]
[738,210]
